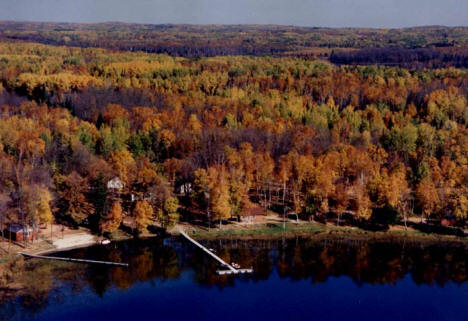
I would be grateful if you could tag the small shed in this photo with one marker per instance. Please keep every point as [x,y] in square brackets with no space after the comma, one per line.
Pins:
[18,232]
[249,214]
[141,197]
[115,184]
[448,221]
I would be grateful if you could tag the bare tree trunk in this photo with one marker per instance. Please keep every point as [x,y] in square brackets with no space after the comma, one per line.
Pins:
[405,216]
[269,195]
[1,228]
[296,202]
[284,192]
[284,217]
[23,219]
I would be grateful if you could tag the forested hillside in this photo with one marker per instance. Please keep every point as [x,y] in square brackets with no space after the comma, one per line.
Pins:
[283,133]
[432,46]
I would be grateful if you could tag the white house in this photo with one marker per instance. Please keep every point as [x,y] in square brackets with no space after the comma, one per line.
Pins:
[115,183]
[185,188]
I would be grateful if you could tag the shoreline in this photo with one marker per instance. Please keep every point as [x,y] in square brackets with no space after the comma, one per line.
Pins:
[56,250]
[320,232]
[257,231]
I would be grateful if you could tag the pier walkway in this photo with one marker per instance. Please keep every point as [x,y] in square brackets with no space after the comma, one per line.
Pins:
[231,269]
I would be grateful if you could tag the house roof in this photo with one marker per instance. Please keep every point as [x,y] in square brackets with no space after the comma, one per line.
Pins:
[16,227]
[253,211]
[115,183]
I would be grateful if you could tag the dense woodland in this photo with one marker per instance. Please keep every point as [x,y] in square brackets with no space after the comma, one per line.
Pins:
[432,46]
[402,57]
[291,135]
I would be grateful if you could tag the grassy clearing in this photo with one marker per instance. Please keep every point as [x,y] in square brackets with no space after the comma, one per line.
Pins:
[263,229]
[313,229]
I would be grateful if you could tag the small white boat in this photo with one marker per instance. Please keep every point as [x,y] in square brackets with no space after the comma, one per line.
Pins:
[105,241]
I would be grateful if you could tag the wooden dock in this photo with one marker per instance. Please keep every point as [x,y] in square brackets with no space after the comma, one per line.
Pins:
[72,260]
[231,269]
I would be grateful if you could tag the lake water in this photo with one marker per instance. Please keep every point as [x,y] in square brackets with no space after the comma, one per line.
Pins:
[293,279]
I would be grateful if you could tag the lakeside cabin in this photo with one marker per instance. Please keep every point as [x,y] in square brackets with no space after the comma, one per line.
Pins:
[249,215]
[19,233]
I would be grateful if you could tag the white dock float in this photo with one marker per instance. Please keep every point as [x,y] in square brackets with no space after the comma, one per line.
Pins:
[239,271]
[231,269]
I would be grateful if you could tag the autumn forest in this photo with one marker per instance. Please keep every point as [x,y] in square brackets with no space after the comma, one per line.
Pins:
[206,138]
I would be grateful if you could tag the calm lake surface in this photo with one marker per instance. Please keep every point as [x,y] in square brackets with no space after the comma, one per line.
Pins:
[293,279]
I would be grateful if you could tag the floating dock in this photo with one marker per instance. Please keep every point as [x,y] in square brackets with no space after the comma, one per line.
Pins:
[238,271]
[230,270]
[73,260]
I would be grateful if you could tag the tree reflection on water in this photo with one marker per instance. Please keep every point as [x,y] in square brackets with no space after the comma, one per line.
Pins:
[42,282]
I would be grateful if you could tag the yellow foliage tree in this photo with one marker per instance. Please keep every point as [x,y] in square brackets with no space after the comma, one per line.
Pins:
[124,164]
[171,205]
[143,212]
[44,212]
[427,197]
[113,219]
[219,194]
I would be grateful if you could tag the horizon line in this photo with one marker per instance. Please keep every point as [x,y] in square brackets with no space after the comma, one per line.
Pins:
[229,24]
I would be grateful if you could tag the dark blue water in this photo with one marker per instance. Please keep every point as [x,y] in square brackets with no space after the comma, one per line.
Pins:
[294,280]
